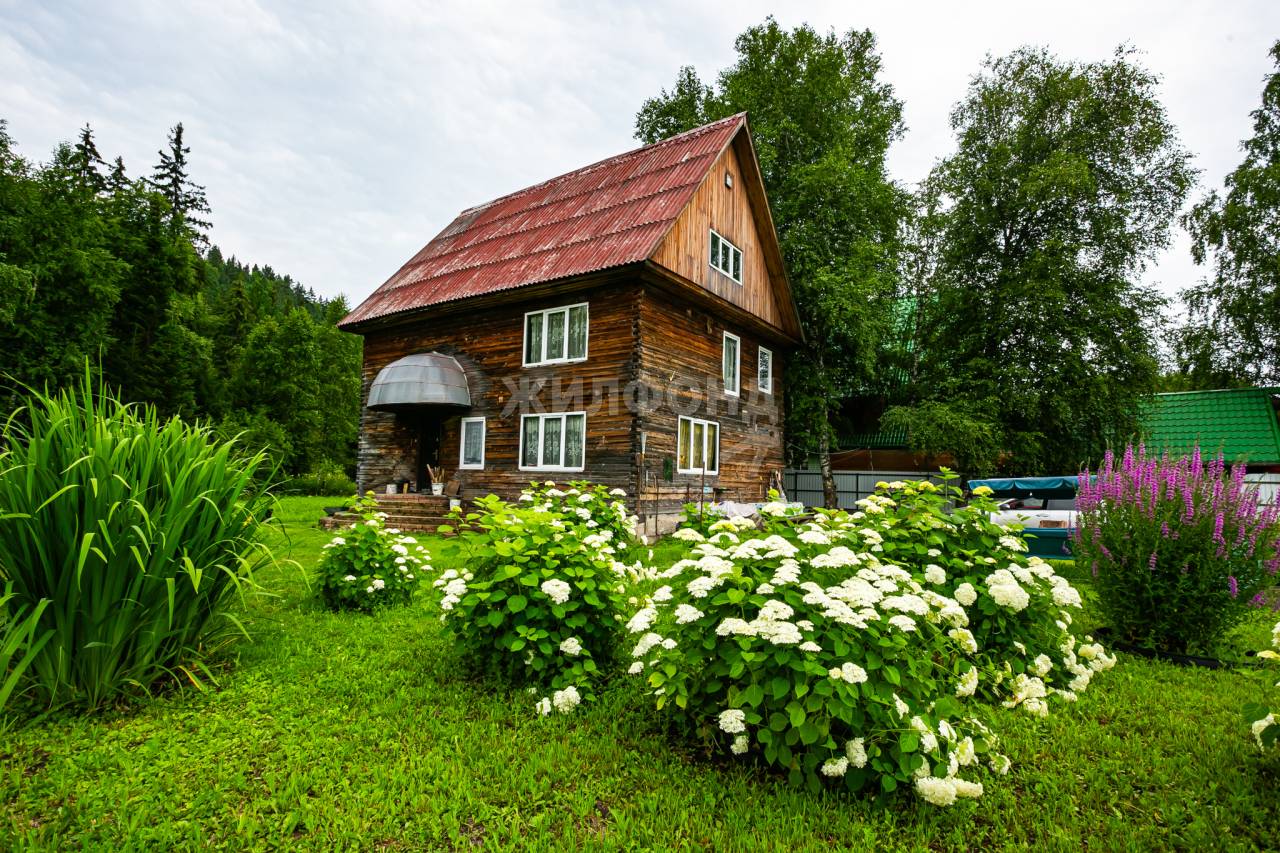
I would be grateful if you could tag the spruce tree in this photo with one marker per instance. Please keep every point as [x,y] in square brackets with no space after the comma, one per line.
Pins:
[186,198]
[117,180]
[88,161]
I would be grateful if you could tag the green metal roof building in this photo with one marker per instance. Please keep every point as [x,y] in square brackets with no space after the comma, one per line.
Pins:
[1241,422]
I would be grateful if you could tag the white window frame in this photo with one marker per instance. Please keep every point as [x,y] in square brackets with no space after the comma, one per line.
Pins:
[705,423]
[546,313]
[714,258]
[563,417]
[462,444]
[765,384]
[737,367]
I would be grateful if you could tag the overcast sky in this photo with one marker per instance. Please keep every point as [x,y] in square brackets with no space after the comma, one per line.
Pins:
[335,139]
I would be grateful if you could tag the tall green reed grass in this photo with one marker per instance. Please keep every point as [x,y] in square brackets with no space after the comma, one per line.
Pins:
[125,539]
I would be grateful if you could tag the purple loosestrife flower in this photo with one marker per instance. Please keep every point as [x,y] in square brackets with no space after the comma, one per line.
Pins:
[1257,601]
[1233,585]
[1151,562]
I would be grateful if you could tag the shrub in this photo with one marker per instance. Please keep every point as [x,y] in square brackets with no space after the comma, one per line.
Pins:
[849,648]
[368,565]
[591,505]
[129,535]
[537,604]
[326,479]
[1262,719]
[1178,547]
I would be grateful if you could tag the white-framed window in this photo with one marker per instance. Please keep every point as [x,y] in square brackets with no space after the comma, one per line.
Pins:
[764,370]
[698,446]
[726,257]
[471,443]
[553,442]
[730,363]
[556,335]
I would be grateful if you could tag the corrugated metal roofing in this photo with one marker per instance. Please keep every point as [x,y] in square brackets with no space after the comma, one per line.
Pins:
[604,215]
[1241,422]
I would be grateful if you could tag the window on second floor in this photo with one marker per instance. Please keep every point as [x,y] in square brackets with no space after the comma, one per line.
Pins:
[726,257]
[730,360]
[764,371]
[556,335]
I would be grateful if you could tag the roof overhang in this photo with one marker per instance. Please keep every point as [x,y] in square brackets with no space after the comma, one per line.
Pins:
[422,379]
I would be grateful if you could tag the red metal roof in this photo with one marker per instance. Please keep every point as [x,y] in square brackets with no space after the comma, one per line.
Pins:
[605,215]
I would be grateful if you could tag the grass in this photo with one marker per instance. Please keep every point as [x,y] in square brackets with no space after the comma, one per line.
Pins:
[356,732]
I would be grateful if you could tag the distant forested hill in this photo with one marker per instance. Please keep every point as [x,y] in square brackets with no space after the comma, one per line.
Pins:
[115,270]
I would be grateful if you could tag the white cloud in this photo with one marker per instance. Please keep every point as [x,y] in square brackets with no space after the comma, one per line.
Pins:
[336,139]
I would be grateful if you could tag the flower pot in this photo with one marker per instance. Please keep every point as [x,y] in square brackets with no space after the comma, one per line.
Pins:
[437,488]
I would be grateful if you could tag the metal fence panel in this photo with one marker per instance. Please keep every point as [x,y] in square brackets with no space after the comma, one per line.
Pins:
[851,486]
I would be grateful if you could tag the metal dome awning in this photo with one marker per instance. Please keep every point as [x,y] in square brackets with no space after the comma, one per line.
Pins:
[422,379]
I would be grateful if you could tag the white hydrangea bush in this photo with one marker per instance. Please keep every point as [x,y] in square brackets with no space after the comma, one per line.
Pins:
[1261,718]
[538,602]
[367,565]
[850,648]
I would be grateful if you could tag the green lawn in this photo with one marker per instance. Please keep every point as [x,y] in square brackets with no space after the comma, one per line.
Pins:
[348,731]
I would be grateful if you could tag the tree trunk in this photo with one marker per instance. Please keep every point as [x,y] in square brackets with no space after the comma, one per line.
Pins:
[830,499]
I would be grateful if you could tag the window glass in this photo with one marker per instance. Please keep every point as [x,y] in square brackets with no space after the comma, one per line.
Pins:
[699,443]
[715,249]
[555,335]
[764,370]
[551,441]
[578,331]
[713,447]
[473,442]
[682,454]
[574,440]
[529,448]
[737,265]
[730,364]
[533,339]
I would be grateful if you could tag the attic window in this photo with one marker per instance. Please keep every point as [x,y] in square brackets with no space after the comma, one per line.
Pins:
[726,257]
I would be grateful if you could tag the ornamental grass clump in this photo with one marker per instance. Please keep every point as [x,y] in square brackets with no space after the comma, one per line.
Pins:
[125,539]
[537,599]
[1180,547]
[849,649]
[368,566]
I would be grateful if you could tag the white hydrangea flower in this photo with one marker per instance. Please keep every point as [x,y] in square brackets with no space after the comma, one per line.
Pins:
[572,646]
[557,590]
[935,574]
[849,672]
[1000,763]
[966,753]
[688,534]
[968,682]
[617,493]
[966,789]
[566,700]
[1013,543]
[1065,595]
[379,584]
[966,594]
[733,721]
[543,706]
[349,578]
[814,537]
[740,744]
[1260,726]
[647,642]
[686,613]
[1005,591]
[903,623]
[1041,665]
[810,646]
[835,767]
[939,792]
[636,668]
[857,752]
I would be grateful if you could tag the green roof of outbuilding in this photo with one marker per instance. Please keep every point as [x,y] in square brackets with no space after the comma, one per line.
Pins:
[1241,422]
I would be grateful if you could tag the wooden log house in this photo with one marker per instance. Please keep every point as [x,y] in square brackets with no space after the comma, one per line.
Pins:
[627,323]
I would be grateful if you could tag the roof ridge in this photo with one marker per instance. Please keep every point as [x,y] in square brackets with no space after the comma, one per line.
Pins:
[1263,389]
[706,128]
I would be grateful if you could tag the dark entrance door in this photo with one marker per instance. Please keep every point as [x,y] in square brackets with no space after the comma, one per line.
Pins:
[429,430]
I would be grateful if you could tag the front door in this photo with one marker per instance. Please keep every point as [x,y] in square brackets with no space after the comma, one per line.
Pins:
[429,429]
